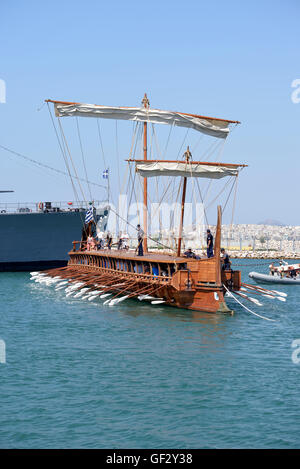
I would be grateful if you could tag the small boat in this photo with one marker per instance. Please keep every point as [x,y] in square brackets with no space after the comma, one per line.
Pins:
[266,278]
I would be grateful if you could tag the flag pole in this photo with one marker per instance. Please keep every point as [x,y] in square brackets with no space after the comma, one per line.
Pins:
[108,184]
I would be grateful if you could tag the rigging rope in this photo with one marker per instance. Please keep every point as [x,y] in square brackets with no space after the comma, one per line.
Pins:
[233,206]
[83,159]
[101,144]
[71,159]
[61,145]
[42,165]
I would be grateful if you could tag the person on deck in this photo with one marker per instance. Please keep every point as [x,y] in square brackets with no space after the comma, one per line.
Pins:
[140,236]
[91,244]
[189,253]
[210,244]
[109,240]
[83,238]
[100,244]
[226,263]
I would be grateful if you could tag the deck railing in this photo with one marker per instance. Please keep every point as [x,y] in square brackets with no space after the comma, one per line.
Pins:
[41,207]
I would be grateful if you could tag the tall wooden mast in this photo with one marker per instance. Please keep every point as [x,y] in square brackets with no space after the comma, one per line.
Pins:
[187,156]
[145,103]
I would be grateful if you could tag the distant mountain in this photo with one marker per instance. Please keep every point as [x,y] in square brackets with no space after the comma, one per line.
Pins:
[271,222]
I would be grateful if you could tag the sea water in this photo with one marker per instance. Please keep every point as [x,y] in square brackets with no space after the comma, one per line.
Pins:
[78,374]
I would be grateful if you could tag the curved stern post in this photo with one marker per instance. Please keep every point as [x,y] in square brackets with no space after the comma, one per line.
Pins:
[217,253]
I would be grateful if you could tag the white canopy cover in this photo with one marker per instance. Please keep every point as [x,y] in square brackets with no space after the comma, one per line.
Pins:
[150,168]
[210,126]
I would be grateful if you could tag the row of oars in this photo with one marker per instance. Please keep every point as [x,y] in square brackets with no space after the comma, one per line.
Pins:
[259,292]
[90,286]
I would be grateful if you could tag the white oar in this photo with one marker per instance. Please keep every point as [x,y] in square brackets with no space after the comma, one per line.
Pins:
[245,307]
[35,277]
[265,290]
[91,298]
[81,293]
[157,302]
[51,281]
[64,282]
[280,293]
[118,300]
[105,295]
[61,285]
[95,292]
[106,301]
[250,298]
[69,294]
[148,297]
[40,280]
[75,286]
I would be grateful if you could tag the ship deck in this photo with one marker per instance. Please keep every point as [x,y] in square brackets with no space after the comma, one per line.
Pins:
[131,255]
[150,256]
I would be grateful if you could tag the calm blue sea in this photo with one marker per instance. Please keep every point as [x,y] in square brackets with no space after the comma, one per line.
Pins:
[82,375]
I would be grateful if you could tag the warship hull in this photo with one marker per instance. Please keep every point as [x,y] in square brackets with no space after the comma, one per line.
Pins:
[30,241]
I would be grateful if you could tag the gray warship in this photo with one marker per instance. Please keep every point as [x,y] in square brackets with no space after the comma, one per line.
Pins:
[37,236]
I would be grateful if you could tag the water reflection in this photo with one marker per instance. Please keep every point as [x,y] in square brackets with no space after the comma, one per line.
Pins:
[200,329]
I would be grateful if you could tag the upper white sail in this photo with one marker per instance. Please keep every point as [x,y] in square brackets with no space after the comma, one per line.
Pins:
[150,168]
[210,126]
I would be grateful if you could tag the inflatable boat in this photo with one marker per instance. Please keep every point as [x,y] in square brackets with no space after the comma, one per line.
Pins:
[264,278]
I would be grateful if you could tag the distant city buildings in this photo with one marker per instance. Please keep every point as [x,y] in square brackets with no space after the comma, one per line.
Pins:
[241,240]
[281,240]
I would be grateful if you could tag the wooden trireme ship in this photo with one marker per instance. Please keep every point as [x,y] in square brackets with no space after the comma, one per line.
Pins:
[167,278]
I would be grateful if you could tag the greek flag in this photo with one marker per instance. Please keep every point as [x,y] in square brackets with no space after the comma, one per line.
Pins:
[105,174]
[89,216]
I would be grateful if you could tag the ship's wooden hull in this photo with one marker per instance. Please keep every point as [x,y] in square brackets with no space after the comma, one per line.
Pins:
[194,284]
[180,282]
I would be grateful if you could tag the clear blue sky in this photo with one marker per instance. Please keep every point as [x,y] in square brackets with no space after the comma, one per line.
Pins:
[231,59]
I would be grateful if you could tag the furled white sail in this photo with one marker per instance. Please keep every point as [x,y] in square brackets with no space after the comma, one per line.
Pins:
[150,168]
[210,126]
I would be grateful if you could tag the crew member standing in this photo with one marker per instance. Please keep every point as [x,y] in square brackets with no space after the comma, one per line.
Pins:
[210,244]
[226,263]
[140,235]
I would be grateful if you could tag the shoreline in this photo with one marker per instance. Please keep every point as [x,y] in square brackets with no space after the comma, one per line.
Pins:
[264,256]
